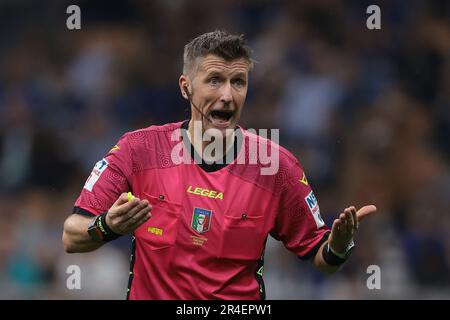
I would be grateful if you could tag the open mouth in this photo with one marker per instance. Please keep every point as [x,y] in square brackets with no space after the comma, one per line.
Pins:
[222,115]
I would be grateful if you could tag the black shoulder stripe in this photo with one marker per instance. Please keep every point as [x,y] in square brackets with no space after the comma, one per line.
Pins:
[316,248]
[83,212]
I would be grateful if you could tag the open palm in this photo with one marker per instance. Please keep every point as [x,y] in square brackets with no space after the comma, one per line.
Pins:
[346,225]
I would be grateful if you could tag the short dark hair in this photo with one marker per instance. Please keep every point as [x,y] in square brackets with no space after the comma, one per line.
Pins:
[219,43]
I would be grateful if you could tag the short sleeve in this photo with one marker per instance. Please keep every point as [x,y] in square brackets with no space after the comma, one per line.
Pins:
[109,178]
[299,224]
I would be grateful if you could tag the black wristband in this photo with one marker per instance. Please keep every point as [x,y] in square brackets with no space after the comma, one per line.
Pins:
[108,234]
[330,258]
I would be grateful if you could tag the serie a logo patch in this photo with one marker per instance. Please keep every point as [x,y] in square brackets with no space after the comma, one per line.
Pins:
[313,206]
[95,174]
[201,220]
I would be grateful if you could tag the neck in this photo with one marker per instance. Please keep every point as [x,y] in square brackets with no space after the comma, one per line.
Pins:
[196,135]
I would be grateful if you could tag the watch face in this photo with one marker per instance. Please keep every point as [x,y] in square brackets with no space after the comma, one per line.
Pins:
[349,249]
[350,246]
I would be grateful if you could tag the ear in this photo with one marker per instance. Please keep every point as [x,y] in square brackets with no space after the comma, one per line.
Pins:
[184,84]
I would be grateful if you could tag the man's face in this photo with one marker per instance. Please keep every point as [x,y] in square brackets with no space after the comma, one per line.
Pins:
[218,88]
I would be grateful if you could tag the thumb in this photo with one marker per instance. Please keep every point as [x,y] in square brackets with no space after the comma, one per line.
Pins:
[366,211]
[123,198]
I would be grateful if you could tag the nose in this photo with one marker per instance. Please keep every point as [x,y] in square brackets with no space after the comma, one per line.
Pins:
[226,96]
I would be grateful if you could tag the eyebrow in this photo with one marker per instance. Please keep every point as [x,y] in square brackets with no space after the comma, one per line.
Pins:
[239,74]
[218,73]
[213,73]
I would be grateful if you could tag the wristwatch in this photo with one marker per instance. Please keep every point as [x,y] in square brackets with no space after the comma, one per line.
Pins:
[99,231]
[334,258]
[344,255]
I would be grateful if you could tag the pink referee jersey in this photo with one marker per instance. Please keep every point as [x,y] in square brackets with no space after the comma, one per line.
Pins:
[209,224]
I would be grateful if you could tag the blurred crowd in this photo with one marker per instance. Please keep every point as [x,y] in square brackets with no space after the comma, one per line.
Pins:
[367,113]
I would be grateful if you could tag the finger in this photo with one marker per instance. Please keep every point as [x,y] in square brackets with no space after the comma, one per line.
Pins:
[365,211]
[123,198]
[336,227]
[349,221]
[138,219]
[355,218]
[125,208]
[125,225]
[135,210]
[335,224]
[336,230]
[141,221]
[343,220]
[139,214]
[141,205]
[119,215]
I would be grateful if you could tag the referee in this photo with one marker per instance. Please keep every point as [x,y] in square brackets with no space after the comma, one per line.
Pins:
[200,220]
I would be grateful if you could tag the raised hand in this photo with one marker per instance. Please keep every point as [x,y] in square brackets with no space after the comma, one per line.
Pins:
[347,225]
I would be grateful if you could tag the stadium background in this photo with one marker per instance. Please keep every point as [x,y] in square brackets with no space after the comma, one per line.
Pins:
[366,112]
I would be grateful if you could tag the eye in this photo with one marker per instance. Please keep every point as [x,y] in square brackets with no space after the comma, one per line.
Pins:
[214,81]
[240,82]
